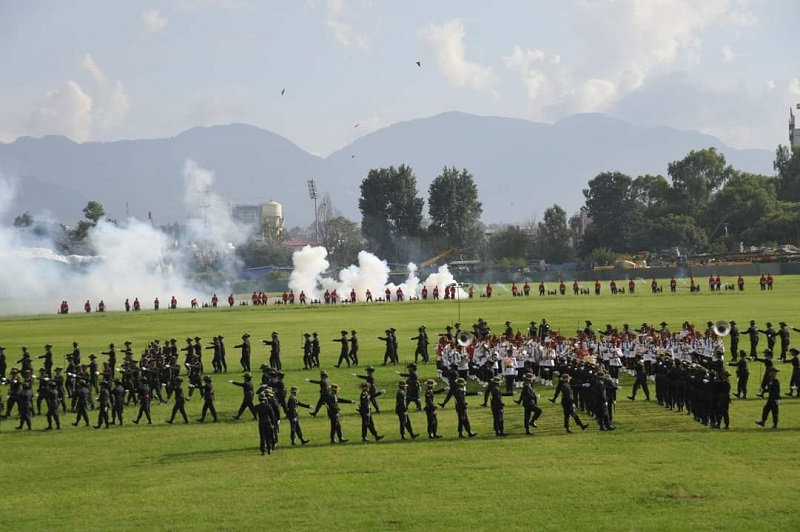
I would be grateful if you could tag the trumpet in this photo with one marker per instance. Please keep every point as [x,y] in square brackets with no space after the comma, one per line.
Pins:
[465,338]
[722,328]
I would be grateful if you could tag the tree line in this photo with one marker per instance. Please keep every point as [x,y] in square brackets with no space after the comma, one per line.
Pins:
[702,205]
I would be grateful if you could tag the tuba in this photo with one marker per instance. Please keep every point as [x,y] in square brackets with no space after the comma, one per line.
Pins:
[465,338]
[722,328]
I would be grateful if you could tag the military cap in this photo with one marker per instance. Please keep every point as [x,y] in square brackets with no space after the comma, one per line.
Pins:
[430,382]
[402,384]
[497,380]
[48,346]
[461,381]
[343,332]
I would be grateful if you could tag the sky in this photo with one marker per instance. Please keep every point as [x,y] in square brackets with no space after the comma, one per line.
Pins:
[95,70]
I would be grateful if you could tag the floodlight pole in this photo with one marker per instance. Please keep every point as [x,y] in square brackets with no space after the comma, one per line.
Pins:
[312,193]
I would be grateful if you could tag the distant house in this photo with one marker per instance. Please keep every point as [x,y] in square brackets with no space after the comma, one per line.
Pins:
[299,243]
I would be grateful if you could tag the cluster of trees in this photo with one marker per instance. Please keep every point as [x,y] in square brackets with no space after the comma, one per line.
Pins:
[704,205]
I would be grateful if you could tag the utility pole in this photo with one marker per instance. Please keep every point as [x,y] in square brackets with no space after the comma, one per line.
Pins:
[312,193]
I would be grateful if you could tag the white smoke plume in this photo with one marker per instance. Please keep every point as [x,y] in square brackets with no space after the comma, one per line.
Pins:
[371,273]
[131,260]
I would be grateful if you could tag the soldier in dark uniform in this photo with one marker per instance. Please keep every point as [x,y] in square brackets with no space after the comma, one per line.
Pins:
[274,344]
[494,394]
[180,401]
[640,380]
[315,349]
[422,345]
[401,409]
[293,416]
[208,400]
[266,424]
[25,402]
[768,365]
[533,331]
[216,365]
[387,353]
[723,401]
[52,406]
[431,410]
[460,397]
[248,393]
[742,375]
[3,363]
[25,361]
[344,350]
[244,360]
[58,378]
[752,333]
[784,334]
[222,361]
[794,381]
[324,390]
[41,390]
[83,396]
[117,402]
[568,404]
[308,363]
[529,401]
[112,358]
[734,335]
[771,334]
[145,398]
[365,411]
[372,389]
[48,360]
[93,372]
[198,353]
[353,354]
[412,379]
[103,402]
[773,398]
[332,401]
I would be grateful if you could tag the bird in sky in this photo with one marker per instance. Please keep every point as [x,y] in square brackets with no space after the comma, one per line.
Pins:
[355,125]
[282,91]
[419,64]
[352,156]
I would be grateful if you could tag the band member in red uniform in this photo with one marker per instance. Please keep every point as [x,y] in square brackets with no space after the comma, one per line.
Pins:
[526,289]
[631,286]
[575,288]
[291,297]
[597,288]
[231,301]
[156,304]
[673,284]
[353,295]
[424,292]
[562,288]
[435,293]
[514,290]
[214,300]
[488,290]
[87,306]
[740,283]
[388,294]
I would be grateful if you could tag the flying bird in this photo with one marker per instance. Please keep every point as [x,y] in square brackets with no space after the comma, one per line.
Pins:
[282,91]
[419,64]
[355,125]
[352,156]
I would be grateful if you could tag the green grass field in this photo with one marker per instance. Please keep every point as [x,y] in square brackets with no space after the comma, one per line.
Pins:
[659,471]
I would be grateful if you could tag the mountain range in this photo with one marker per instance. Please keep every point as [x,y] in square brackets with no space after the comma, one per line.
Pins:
[520,167]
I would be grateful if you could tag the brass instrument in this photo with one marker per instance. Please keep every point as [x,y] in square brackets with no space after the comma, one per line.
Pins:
[722,328]
[465,338]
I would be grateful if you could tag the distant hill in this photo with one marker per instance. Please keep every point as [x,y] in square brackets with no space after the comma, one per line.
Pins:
[521,167]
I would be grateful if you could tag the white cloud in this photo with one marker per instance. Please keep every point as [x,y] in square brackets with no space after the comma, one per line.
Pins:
[65,111]
[794,86]
[446,43]
[90,65]
[76,112]
[216,110]
[728,54]
[342,32]
[153,21]
[769,85]
[6,137]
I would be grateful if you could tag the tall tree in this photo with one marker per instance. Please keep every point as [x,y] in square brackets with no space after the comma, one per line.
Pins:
[93,212]
[743,200]
[454,207]
[24,220]
[787,164]
[612,208]
[509,243]
[552,239]
[391,212]
[695,178]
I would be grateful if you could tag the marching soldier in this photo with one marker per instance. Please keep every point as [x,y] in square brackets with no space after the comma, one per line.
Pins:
[48,360]
[422,345]
[145,398]
[742,375]
[734,335]
[266,424]
[208,400]
[493,392]
[52,406]
[308,363]
[323,390]
[274,351]
[180,401]
[117,402]
[103,401]
[244,360]
[365,411]
[528,400]
[294,418]
[25,404]
[773,398]
[771,334]
[431,410]
[353,348]
[344,349]
[784,334]
[248,392]
[401,409]
[332,401]
[752,333]
[372,389]
[640,380]
[794,382]
[412,379]
[315,349]
[568,405]
[83,396]
[460,396]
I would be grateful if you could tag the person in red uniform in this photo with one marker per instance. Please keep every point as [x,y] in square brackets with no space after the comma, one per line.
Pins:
[264,298]
[769,281]
[127,305]
[654,285]
[711,283]
[285,297]
[399,294]
[575,288]
[334,296]
[673,284]
[231,301]
[87,306]
[597,288]
[214,300]
[631,286]
[291,297]
[471,291]
[488,290]
[136,305]
[526,289]
[541,289]
[453,292]
[514,290]
[369,296]
[613,286]
[717,283]
[302,297]
[173,303]
[156,304]
[762,282]
[435,293]
[388,294]
[740,283]
[101,307]
[562,288]
[353,295]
